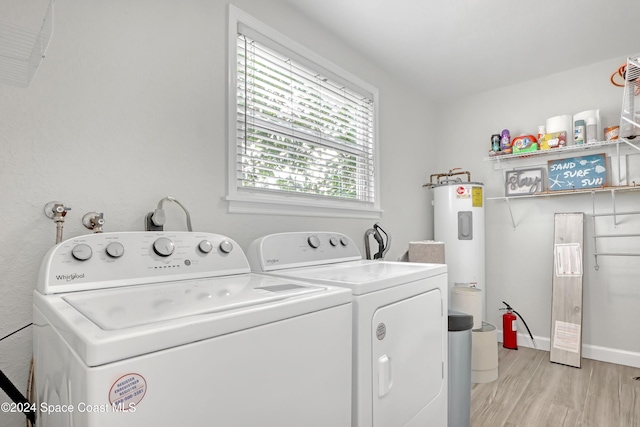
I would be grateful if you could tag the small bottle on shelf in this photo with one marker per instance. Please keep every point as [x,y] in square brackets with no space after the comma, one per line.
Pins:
[579,132]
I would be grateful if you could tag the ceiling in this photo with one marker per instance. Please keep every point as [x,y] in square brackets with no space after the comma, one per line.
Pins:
[457,48]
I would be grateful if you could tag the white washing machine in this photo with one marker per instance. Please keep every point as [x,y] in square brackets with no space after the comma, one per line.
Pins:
[400,323]
[172,329]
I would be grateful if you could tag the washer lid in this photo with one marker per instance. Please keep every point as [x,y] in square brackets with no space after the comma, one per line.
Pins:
[105,326]
[143,305]
[365,276]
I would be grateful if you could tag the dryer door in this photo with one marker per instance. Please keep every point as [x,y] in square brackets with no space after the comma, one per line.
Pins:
[408,370]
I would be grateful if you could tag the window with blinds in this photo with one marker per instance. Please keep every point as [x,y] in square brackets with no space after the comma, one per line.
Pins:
[300,129]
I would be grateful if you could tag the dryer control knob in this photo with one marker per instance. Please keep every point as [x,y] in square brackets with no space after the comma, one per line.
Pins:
[333,241]
[344,241]
[313,241]
[205,246]
[163,246]
[81,252]
[226,246]
[115,249]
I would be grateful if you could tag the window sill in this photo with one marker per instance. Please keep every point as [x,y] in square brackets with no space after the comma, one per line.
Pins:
[320,208]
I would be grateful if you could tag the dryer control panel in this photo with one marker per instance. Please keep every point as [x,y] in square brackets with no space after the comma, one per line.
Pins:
[109,260]
[301,249]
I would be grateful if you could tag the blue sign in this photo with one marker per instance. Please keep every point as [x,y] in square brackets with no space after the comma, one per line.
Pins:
[578,172]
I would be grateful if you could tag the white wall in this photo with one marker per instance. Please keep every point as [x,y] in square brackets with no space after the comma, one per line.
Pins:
[519,261]
[129,107]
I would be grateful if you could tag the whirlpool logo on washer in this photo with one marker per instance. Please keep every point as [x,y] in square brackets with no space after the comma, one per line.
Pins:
[69,277]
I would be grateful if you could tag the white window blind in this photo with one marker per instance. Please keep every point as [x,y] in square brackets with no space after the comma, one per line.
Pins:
[299,130]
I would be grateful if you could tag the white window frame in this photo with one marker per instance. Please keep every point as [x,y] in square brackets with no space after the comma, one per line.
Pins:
[261,202]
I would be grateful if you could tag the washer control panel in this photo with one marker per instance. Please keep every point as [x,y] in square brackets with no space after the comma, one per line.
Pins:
[107,260]
[300,249]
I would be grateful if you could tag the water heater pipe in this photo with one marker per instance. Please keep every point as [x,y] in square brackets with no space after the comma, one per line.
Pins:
[448,175]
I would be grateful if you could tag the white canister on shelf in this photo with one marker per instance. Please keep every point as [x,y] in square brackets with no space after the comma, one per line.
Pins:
[562,123]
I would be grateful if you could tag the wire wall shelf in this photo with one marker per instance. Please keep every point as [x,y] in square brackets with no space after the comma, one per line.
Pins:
[560,150]
[22,49]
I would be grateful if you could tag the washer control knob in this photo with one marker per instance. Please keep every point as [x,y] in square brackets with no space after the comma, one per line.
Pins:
[163,246]
[115,249]
[344,241]
[205,246]
[313,241]
[81,252]
[333,241]
[226,246]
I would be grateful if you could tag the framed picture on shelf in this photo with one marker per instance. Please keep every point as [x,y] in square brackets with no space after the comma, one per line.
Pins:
[575,173]
[523,182]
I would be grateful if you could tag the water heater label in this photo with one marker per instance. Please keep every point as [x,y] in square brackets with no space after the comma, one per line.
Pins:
[476,197]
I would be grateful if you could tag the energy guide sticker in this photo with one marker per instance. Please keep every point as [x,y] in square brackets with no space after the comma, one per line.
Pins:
[476,197]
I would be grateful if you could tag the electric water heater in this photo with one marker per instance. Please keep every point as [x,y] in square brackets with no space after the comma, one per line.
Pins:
[459,223]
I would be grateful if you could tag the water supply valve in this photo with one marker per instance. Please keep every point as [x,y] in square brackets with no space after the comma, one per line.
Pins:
[56,211]
[93,221]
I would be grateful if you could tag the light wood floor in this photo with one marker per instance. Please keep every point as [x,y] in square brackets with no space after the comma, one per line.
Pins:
[533,392]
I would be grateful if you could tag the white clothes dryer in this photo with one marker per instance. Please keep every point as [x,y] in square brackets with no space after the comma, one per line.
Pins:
[400,323]
[172,329]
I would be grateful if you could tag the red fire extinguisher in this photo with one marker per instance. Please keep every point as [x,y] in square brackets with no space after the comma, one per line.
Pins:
[510,329]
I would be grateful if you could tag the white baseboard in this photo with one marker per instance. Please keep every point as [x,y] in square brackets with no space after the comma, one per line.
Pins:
[611,355]
[595,352]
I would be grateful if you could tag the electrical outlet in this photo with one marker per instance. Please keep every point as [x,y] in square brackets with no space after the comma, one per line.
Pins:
[150,226]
